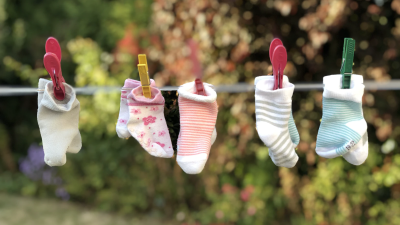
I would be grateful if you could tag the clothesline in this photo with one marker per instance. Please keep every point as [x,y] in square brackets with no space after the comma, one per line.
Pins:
[234,88]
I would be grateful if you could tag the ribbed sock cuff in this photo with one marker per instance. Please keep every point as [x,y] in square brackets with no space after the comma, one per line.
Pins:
[264,90]
[136,97]
[188,91]
[49,101]
[333,84]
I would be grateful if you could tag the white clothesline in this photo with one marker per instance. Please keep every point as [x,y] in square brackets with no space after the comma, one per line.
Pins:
[234,88]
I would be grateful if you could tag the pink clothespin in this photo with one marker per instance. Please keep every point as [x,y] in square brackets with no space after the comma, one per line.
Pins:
[196,68]
[199,87]
[278,57]
[51,62]
[53,46]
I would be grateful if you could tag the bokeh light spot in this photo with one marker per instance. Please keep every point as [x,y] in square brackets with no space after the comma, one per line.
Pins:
[247,15]
[383,20]
[364,45]
[300,42]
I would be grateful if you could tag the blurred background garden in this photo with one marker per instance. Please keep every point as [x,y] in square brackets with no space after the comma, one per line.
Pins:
[114,181]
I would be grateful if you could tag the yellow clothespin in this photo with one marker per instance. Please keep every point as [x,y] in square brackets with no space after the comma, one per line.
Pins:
[144,75]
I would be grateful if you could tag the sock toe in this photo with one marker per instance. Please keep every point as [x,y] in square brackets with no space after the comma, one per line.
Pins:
[159,151]
[122,132]
[193,164]
[75,145]
[358,156]
[74,149]
[193,167]
[288,162]
[55,160]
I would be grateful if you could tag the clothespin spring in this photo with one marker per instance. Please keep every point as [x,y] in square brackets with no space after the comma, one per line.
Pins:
[55,77]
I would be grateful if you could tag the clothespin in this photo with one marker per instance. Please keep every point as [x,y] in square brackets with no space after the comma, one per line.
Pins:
[53,46]
[51,61]
[274,43]
[196,68]
[144,75]
[347,62]
[278,57]
[199,87]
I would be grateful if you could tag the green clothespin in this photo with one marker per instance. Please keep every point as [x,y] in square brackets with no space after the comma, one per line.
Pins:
[347,62]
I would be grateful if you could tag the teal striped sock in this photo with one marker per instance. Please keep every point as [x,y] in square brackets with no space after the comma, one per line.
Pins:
[333,131]
[342,125]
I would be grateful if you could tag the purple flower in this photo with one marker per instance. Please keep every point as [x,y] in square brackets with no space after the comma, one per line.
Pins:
[34,167]
[62,193]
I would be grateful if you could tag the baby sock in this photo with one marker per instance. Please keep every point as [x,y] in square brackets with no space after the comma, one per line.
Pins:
[273,111]
[213,137]
[343,130]
[58,123]
[294,134]
[359,153]
[147,123]
[121,128]
[198,116]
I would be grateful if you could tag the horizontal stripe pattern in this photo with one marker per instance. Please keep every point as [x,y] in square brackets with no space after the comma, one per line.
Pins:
[197,125]
[294,134]
[333,131]
[275,116]
[272,113]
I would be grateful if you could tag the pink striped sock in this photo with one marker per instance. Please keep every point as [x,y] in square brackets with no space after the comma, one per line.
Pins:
[147,122]
[123,117]
[198,115]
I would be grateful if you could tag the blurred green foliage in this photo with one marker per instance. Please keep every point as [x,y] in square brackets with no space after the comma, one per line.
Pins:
[240,184]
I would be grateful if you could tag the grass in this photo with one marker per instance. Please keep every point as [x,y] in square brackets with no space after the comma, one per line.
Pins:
[17,210]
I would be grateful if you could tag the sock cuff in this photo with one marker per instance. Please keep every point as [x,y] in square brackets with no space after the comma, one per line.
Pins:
[42,83]
[136,97]
[333,84]
[271,77]
[130,83]
[49,100]
[265,84]
[335,80]
[188,91]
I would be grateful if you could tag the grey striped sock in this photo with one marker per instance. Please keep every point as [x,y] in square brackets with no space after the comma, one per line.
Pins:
[273,112]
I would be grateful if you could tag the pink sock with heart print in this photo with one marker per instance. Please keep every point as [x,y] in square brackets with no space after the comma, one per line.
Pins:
[122,129]
[198,115]
[147,122]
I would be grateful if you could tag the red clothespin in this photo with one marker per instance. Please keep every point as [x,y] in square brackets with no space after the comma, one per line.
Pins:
[278,57]
[199,87]
[53,46]
[196,68]
[51,62]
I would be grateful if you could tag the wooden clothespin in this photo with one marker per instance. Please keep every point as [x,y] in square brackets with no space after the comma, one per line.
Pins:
[52,63]
[144,75]
[347,62]
[278,57]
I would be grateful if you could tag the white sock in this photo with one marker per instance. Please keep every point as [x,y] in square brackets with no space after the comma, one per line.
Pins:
[58,122]
[147,122]
[343,130]
[122,122]
[273,110]
[294,134]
